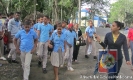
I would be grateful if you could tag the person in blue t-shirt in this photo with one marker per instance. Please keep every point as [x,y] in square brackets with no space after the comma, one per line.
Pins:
[70,36]
[90,32]
[26,36]
[59,48]
[43,34]
[39,21]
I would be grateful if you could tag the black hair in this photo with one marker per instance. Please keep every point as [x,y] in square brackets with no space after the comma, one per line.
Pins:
[0,14]
[46,16]
[17,13]
[65,22]
[119,24]
[40,16]
[27,22]
[10,14]
[59,25]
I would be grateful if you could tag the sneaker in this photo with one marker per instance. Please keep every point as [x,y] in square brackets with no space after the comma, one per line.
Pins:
[70,69]
[76,60]
[95,57]
[3,58]
[86,56]
[61,66]
[9,60]
[14,61]
[44,70]
[39,63]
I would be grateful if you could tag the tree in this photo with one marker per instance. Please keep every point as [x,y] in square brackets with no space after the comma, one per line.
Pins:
[122,11]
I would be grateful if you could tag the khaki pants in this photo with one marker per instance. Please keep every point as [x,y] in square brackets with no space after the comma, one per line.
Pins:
[68,56]
[1,48]
[12,51]
[93,45]
[26,61]
[42,53]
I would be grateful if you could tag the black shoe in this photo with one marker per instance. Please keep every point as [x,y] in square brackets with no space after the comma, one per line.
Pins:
[86,56]
[9,60]
[14,61]
[39,63]
[44,70]
[94,57]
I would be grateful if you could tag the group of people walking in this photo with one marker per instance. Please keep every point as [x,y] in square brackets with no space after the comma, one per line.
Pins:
[63,40]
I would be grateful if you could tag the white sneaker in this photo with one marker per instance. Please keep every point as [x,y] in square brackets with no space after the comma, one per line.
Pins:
[3,58]
[61,66]
[70,69]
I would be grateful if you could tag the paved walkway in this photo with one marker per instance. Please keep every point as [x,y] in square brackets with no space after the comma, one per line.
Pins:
[83,69]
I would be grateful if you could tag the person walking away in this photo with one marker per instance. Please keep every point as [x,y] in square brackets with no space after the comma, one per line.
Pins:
[26,36]
[43,34]
[70,35]
[77,46]
[115,40]
[1,40]
[90,31]
[14,25]
[130,43]
[59,48]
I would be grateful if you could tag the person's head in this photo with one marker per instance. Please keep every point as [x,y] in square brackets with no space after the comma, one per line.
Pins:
[45,19]
[10,15]
[70,27]
[90,23]
[27,25]
[40,18]
[0,15]
[116,26]
[59,28]
[49,21]
[17,15]
[64,24]
[76,26]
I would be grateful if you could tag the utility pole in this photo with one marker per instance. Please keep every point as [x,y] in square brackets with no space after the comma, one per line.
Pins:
[79,14]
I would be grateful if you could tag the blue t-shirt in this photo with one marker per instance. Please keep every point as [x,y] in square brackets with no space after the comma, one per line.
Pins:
[58,41]
[44,32]
[70,37]
[51,26]
[90,31]
[26,40]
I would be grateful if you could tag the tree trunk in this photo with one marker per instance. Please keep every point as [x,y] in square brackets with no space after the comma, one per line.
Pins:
[56,10]
[3,7]
[79,13]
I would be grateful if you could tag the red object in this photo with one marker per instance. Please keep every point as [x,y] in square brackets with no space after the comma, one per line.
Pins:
[5,38]
[130,34]
[70,25]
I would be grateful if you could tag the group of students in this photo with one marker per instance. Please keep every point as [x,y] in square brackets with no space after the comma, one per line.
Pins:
[27,38]
[32,38]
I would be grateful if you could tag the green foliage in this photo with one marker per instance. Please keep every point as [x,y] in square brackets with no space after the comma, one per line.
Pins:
[122,11]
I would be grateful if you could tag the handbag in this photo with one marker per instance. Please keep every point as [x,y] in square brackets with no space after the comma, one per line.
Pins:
[82,42]
[51,49]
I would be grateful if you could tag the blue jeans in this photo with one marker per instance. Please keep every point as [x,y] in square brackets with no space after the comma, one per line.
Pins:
[131,46]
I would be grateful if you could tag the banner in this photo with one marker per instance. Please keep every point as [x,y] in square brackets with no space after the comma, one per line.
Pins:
[107,61]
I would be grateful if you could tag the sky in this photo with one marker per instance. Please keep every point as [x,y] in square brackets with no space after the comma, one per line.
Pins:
[88,6]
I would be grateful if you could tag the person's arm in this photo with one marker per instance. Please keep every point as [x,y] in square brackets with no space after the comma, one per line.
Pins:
[128,38]
[125,49]
[38,31]
[15,40]
[49,41]
[65,46]
[103,44]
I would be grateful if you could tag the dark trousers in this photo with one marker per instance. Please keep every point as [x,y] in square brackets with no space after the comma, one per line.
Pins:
[75,52]
[118,70]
